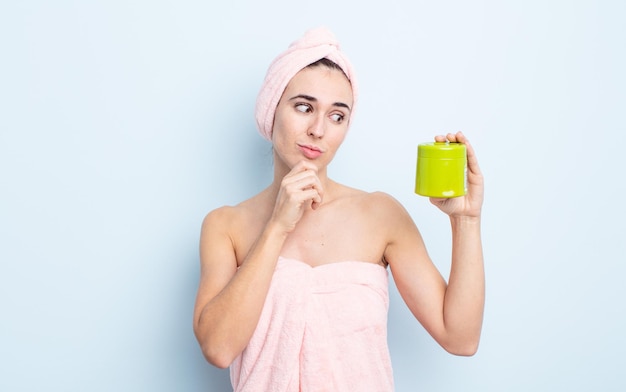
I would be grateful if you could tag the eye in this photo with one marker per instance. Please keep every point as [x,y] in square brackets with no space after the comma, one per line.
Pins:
[304,107]
[337,117]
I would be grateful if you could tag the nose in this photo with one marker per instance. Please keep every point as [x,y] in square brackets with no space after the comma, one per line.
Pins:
[317,127]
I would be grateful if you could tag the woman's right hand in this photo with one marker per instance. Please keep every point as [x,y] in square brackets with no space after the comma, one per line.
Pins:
[299,190]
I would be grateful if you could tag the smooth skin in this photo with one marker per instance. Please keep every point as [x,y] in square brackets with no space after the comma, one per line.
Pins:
[305,215]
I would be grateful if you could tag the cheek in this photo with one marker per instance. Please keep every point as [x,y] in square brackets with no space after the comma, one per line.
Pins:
[338,137]
[280,135]
[278,130]
[282,123]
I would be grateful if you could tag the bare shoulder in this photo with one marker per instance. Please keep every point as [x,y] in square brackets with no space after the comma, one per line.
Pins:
[386,199]
[215,234]
[383,204]
[378,209]
[219,221]
[389,216]
[229,217]
[219,215]
[235,226]
[373,205]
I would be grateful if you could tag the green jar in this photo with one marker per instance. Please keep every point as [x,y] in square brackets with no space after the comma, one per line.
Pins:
[441,169]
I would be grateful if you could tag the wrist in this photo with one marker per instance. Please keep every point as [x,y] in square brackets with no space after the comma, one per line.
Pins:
[275,229]
[465,220]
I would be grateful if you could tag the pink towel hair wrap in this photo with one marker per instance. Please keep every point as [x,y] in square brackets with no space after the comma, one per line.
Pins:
[315,45]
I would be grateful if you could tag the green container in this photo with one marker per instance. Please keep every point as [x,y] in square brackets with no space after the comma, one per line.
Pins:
[441,169]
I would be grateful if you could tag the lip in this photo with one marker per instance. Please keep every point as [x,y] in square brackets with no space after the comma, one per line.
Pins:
[310,151]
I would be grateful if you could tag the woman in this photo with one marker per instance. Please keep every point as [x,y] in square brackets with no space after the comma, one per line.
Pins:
[293,291]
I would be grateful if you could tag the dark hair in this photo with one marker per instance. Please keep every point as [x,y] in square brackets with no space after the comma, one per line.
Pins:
[328,64]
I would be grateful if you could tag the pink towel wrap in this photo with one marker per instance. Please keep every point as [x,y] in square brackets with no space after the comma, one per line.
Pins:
[321,329]
[315,45]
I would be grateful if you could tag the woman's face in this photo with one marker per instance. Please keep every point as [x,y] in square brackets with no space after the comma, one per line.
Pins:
[312,117]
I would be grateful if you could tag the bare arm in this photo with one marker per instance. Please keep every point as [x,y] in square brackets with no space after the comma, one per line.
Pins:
[451,312]
[465,295]
[230,299]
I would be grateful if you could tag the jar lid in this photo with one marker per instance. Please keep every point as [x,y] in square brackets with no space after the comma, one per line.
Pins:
[441,150]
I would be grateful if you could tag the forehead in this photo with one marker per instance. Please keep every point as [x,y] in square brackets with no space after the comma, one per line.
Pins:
[322,83]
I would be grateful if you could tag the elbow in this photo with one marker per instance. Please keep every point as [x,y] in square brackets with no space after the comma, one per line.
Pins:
[462,349]
[219,362]
[218,358]
[213,352]
[468,351]
[217,348]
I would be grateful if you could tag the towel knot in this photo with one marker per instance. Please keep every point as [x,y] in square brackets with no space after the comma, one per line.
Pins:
[316,37]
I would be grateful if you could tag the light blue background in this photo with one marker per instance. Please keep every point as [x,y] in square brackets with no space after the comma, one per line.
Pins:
[122,123]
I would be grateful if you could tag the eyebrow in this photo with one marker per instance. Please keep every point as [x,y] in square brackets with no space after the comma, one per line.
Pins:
[313,99]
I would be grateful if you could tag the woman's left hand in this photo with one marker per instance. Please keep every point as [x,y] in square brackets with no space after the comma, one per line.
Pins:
[469,205]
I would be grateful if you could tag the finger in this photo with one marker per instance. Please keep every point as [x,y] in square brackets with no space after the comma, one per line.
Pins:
[307,197]
[472,161]
[319,193]
[298,174]
[301,170]
[454,137]
[450,137]
[436,200]
[310,172]
[304,181]
[316,201]
[459,137]
[303,166]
